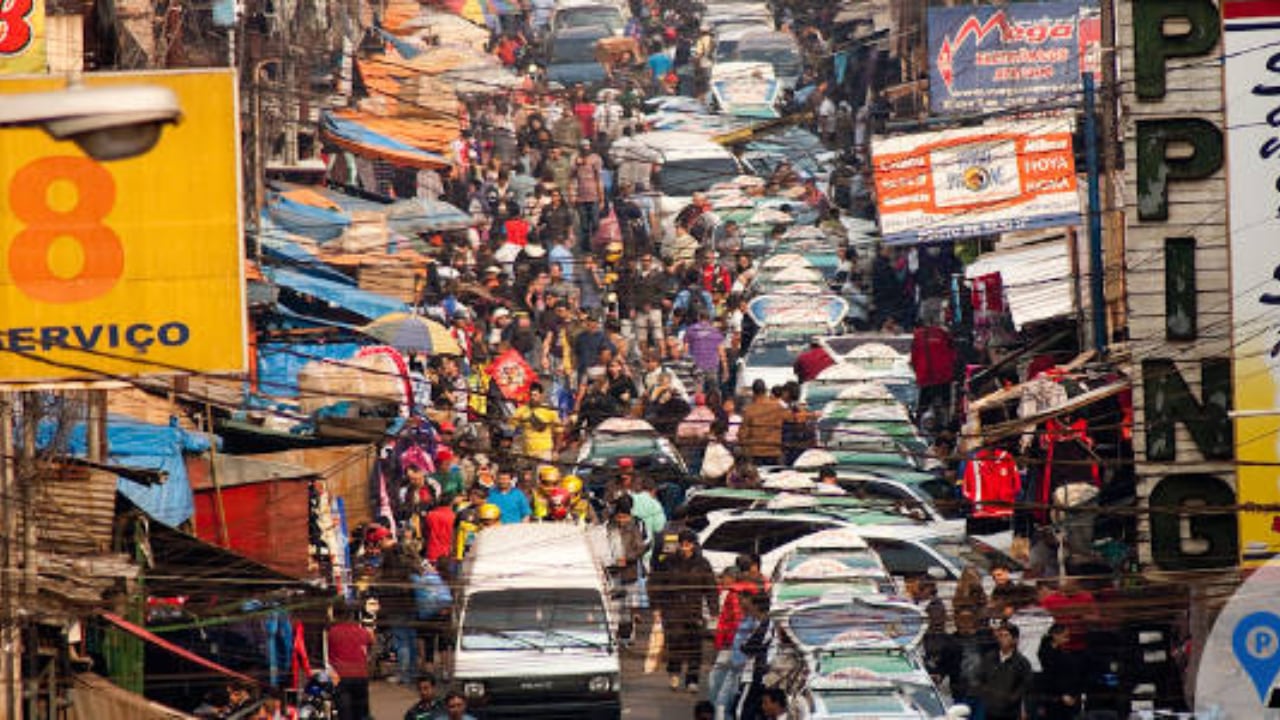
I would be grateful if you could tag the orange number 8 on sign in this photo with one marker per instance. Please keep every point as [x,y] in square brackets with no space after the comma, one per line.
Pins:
[103,253]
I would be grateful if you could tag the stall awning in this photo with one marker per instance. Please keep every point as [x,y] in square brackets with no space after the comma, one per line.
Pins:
[94,697]
[357,137]
[368,304]
[1037,280]
[303,215]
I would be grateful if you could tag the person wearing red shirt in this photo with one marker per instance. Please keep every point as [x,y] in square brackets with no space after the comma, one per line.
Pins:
[440,522]
[933,357]
[1074,608]
[349,644]
[812,362]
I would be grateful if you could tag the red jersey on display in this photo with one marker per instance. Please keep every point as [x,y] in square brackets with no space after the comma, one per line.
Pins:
[992,477]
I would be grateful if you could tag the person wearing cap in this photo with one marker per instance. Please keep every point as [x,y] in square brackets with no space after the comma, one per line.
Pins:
[586,192]
[682,590]
[623,482]
[448,475]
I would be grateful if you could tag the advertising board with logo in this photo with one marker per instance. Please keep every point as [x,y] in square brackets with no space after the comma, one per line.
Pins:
[1019,56]
[124,268]
[22,38]
[976,181]
[1252,51]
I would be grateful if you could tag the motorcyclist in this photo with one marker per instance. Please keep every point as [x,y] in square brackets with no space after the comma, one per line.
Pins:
[579,507]
[548,480]
[487,515]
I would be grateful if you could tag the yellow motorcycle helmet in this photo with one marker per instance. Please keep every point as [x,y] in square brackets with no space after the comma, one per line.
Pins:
[548,475]
[573,484]
[613,252]
[490,512]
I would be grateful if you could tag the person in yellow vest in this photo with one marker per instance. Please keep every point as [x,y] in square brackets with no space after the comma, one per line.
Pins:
[539,426]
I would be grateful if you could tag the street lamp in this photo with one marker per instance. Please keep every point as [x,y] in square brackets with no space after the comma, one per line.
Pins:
[108,123]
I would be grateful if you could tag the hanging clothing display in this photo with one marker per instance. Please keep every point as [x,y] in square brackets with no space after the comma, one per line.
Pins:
[1068,458]
[992,483]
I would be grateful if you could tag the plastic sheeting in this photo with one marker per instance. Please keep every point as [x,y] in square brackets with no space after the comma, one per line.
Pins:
[320,224]
[135,444]
[280,363]
[354,137]
[362,302]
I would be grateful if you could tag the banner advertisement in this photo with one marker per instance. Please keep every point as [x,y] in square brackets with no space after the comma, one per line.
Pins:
[130,267]
[1251,36]
[22,37]
[976,181]
[1025,56]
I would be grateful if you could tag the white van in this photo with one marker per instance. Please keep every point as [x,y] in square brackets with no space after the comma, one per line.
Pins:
[533,627]
[681,162]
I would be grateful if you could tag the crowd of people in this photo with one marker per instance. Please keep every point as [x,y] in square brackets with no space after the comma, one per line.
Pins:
[612,315]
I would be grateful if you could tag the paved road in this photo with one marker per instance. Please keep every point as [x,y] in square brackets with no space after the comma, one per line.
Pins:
[644,697]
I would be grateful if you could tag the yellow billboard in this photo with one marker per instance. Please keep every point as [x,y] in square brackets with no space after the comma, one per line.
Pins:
[22,39]
[130,267]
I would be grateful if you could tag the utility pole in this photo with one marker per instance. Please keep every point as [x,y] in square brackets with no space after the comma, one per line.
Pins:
[10,631]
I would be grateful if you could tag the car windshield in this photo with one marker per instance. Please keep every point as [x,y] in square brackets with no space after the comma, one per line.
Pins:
[685,177]
[589,17]
[971,551]
[783,59]
[540,618]
[573,50]
[773,355]
[863,703]
[607,447]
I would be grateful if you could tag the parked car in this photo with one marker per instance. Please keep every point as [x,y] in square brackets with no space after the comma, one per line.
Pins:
[759,44]
[771,533]
[571,55]
[616,438]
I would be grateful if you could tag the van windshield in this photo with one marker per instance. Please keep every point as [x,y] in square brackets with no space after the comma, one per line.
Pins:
[535,619]
[680,178]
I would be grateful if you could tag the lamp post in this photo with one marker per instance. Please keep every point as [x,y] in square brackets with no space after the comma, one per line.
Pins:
[107,123]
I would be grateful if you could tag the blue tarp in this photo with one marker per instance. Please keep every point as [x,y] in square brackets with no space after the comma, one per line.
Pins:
[407,217]
[286,252]
[301,219]
[135,444]
[362,302]
[356,136]
[279,363]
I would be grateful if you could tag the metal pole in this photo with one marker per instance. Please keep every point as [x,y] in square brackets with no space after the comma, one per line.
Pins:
[1096,272]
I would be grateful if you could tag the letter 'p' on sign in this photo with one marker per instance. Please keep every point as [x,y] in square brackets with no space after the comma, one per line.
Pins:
[127,268]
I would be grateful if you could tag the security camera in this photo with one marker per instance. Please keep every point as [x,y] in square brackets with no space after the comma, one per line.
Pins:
[108,123]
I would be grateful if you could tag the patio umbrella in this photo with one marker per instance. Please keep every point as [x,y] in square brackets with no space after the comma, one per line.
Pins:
[412,333]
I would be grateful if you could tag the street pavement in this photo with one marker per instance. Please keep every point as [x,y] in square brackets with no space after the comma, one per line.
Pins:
[644,697]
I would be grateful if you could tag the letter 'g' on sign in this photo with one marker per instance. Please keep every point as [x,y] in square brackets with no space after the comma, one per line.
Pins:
[43,225]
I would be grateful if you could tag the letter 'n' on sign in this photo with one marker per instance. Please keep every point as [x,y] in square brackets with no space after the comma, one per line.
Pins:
[1169,401]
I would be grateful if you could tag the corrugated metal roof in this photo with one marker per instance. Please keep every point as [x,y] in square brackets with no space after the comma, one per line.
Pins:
[1037,280]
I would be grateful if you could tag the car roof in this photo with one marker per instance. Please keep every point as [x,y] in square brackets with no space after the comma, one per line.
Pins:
[528,555]
[681,145]
[625,425]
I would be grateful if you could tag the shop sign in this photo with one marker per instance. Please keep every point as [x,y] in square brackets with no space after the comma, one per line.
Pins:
[976,181]
[1251,44]
[125,268]
[1018,56]
[22,38]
